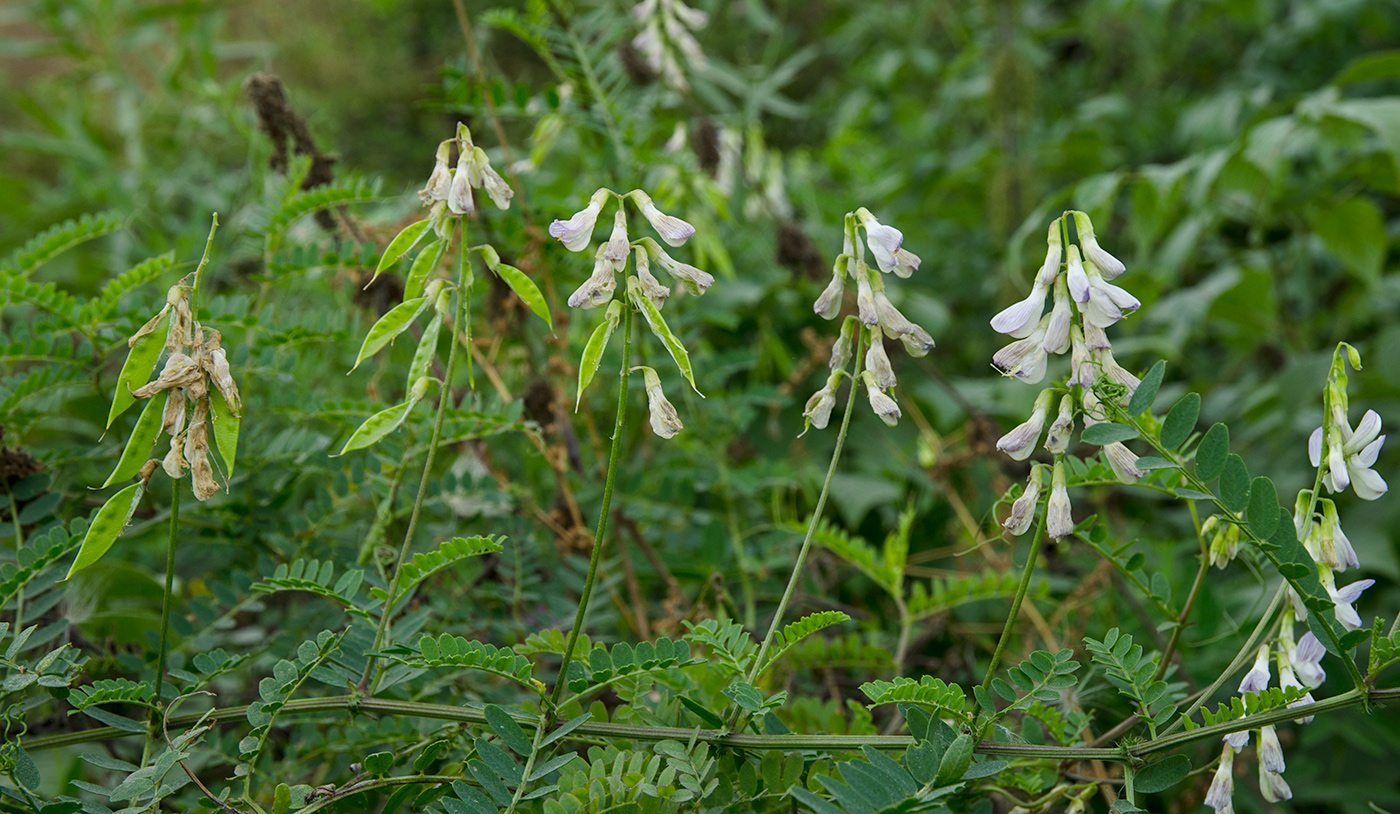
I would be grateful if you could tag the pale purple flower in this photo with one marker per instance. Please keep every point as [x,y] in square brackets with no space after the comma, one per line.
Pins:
[1025,359]
[1270,751]
[1057,437]
[880,401]
[598,288]
[1123,462]
[819,406]
[1107,263]
[695,281]
[1057,329]
[1050,269]
[1272,785]
[651,287]
[575,232]
[1020,442]
[1222,786]
[1257,679]
[877,363]
[664,420]
[1077,277]
[1023,509]
[1019,319]
[673,230]
[1058,522]
[1350,455]
[1307,660]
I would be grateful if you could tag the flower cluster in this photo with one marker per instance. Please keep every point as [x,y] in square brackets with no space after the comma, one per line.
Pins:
[643,291]
[196,371]
[877,318]
[666,27]
[1318,525]
[1085,303]
[449,190]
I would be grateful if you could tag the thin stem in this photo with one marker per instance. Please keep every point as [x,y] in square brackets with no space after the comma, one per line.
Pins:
[203,261]
[1170,649]
[614,455]
[443,398]
[164,615]
[1016,601]
[19,543]
[831,743]
[816,516]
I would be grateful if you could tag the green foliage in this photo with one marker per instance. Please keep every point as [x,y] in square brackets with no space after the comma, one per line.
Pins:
[1133,674]
[1250,703]
[59,238]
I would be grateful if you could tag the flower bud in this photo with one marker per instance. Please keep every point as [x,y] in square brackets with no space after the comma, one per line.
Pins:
[695,281]
[654,291]
[1050,269]
[1222,786]
[1107,263]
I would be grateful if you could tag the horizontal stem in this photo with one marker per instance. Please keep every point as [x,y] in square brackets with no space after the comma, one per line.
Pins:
[833,743]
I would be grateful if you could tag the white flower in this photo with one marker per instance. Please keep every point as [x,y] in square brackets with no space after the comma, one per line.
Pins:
[916,341]
[1023,510]
[441,178]
[1025,359]
[1095,338]
[695,281]
[1107,263]
[1057,330]
[1058,522]
[1222,787]
[1081,366]
[495,185]
[1272,785]
[459,193]
[654,291]
[884,242]
[877,363]
[845,344]
[1307,660]
[865,293]
[1350,455]
[880,401]
[575,232]
[1106,303]
[1109,367]
[1094,411]
[828,305]
[617,247]
[1050,269]
[1019,319]
[664,421]
[1076,276]
[1270,751]
[1123,462]
[1020,442]
[1334,546]
[1057,437]
[1342,598]
[598,288]
[673,230]
[819,406]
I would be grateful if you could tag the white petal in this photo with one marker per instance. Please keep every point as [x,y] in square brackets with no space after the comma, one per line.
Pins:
[1020,319]
[1367,456]
[1365,433]
[1315,447]
[1077,278]
[1337,466]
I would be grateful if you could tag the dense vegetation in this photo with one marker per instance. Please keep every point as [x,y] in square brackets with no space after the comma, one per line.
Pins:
[637,303]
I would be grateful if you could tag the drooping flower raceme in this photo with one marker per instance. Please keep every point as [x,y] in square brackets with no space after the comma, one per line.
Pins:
[1082,305]
[666,39]
[449,190]
[877,318]
[643,292]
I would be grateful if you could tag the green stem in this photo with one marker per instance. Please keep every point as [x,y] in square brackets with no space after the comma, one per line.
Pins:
[829,743]
[203,261]
[19,543]
[1185,610]
[1241,658]
[443,398]
[541,730]
[164,617]
[816,518]
[1016,601]
[614,455]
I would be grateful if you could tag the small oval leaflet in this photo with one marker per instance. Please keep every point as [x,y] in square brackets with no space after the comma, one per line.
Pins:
[1234,483]
[1263,507]
[1179,423]
[1211,452]
[526,290]
[1146,390]
[1106,433]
